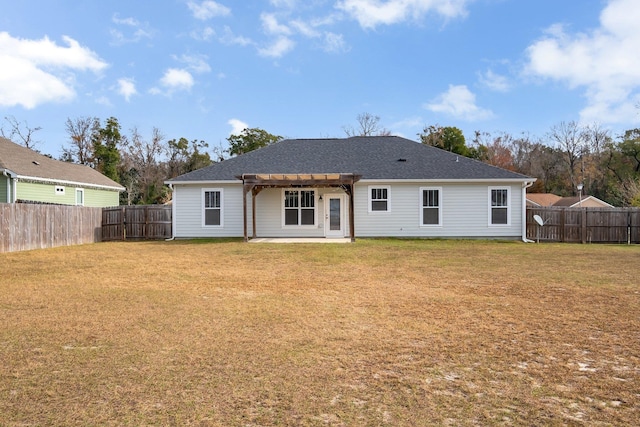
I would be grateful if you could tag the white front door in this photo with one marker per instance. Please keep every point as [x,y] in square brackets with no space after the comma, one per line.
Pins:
[334,216]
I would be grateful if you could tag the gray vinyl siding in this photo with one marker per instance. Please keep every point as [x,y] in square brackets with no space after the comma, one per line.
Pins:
[465,212]
[269,204]
[188,211]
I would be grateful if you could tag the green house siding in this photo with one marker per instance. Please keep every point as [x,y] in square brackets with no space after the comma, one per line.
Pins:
[3,189]
[66,195]
[101,198]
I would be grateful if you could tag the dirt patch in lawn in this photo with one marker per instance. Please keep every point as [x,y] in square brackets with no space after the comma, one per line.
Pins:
[380,332]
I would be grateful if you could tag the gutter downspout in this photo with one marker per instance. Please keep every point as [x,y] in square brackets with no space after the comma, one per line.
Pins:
[525,185]
[11,193]
[173,216]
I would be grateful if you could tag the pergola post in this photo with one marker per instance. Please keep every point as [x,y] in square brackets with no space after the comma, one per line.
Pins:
[352,222]
[245,190]
[255,183]
[254,193]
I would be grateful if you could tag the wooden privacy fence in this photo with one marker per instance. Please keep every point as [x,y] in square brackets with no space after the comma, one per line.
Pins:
[136,222]
[26,226]
[585,225]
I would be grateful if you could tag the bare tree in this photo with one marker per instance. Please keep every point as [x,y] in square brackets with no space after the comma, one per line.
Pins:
[593,157]
[81,131]
[368,125]
[20,133]
[596,137]
[571,139]
[141,162]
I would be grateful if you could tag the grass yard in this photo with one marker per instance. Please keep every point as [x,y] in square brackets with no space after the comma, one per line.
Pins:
[380,332]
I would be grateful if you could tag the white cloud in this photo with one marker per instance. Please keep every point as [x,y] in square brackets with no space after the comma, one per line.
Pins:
[208,9]
[278,48]
[288,4]
[35,72]
[496,82]
[196,63]
[177,79]
[103,100]
[127,88]
[602,62]
[174,80]
[371,13]
[271,26]
[204,34]
[305,29]
[140,30]
[229,38]
[237,126]
[334,43]
[460,103]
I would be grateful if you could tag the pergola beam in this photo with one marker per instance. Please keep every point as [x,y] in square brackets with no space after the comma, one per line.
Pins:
[255,183]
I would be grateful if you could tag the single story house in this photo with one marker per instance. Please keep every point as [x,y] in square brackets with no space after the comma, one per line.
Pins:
[27,176]
[549,199]
[347,187]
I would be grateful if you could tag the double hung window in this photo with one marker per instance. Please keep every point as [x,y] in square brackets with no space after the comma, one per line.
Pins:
[499,206]
[379,199]
[212,208]
[299,207]
[431,212]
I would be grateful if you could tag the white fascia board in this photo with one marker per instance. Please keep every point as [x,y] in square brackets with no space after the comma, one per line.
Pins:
[448,181]
[218,182]
[9,173]
[62,181]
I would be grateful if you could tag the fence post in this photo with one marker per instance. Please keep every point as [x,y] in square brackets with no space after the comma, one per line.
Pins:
[145,230]
[563,221]
[123,224]
[628,227]
[583,225]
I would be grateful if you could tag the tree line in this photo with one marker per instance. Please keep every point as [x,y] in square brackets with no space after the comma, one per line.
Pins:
[569,154]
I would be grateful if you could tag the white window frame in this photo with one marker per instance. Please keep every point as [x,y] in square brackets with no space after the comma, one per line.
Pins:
[204,209]
[491,207]
[81,191]
[300,207]
[60,190]
[371,199]
[421,206]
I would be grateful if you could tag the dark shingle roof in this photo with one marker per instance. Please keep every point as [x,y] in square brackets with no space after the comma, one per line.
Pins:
[376,157]
[28,163]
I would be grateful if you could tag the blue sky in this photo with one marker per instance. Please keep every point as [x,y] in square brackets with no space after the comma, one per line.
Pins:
[306,68]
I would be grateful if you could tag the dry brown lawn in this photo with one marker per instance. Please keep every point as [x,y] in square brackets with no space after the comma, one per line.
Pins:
[380,332]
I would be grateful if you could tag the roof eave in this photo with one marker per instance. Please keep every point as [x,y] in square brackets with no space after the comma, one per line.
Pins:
[452,180]
[65,182]
[200,182]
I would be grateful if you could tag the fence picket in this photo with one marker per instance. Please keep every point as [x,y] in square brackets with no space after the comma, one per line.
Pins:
[585,225]
[26,226]
[136,222]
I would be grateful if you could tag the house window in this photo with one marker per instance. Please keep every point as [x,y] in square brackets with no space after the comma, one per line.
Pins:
[79,197]
[379,199]
[212,208]
[299,207]
[498,206]
[431,206]
[59,190]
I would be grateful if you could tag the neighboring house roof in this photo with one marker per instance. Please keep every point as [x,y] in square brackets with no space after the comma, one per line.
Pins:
[28,164]
[373,157]
[543,199]
[584,201]
[548,199]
